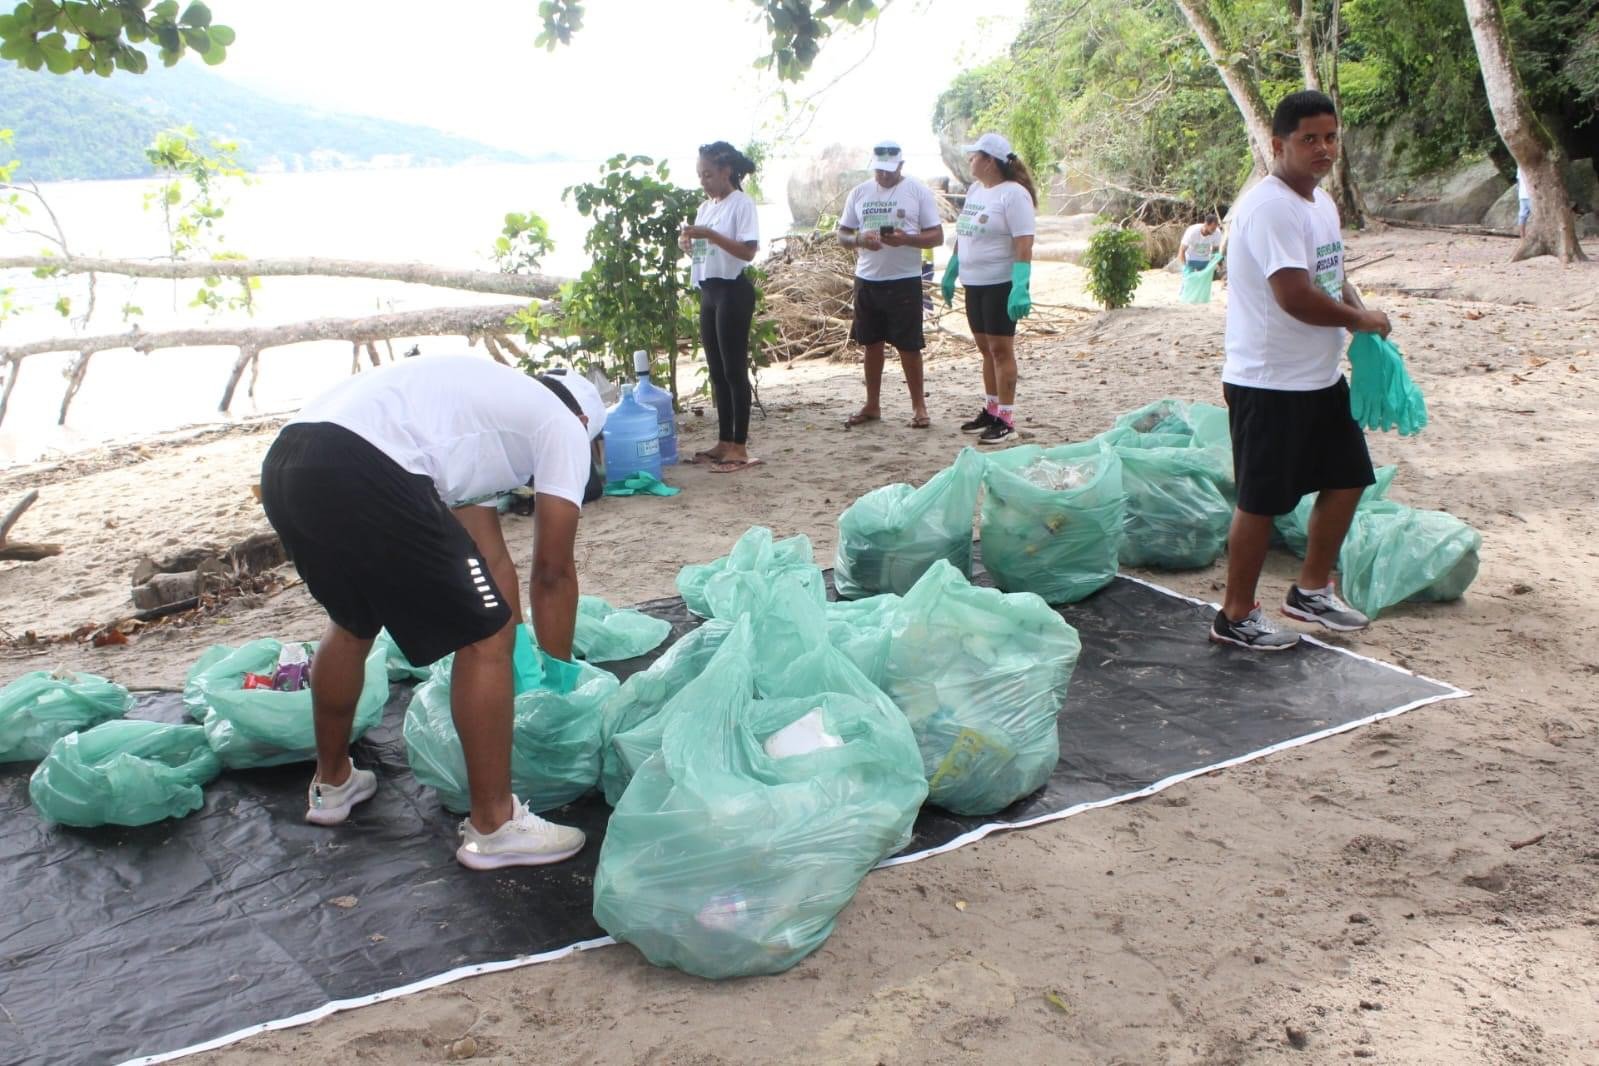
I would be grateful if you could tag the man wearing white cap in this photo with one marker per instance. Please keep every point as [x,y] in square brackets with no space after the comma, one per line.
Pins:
[890,219]
[383,491]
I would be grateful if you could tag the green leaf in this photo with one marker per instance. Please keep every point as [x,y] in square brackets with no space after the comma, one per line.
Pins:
[64,306]
[222,35]
[167,9]
[198,40]
[196,14]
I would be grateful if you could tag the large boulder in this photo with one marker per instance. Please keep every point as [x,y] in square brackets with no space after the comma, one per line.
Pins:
[1062,238]
[1459,196]
[1071,193]
[956,132]
[818,187]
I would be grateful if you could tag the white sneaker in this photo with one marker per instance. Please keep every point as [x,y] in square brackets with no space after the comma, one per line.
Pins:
[524,840]
[330,804]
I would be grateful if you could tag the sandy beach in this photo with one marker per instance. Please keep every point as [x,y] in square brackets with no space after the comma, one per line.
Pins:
[1424,890]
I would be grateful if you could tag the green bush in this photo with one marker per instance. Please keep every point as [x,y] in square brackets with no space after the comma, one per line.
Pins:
[1114,261]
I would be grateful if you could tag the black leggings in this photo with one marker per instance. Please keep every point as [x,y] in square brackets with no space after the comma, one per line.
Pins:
[726,309]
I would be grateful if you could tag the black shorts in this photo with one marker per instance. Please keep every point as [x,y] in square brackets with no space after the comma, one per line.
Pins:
[1289,444]
[375,545]
[985,310]
[889,311]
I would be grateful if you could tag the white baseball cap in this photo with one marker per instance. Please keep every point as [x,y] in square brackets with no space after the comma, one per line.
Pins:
[586,395]
[991,144]
[886,155]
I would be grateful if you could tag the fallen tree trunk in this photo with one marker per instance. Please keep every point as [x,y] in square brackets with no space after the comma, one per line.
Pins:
[539,286]
[470,322]
[13,551]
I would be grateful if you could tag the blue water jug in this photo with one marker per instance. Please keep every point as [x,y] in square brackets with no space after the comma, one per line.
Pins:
[632,439]
[653,396]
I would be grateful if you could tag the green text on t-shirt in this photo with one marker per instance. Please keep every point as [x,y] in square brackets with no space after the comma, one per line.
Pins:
[1329,269]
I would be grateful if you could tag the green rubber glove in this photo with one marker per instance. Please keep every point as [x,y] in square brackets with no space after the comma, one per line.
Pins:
[947,286]
[525,671]
[560,675]
[1020,304]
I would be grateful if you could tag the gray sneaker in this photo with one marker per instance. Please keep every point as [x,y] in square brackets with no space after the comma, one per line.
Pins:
[1325,608]
[1252,632]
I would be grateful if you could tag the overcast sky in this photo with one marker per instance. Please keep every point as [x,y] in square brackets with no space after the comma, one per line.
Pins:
[642,75]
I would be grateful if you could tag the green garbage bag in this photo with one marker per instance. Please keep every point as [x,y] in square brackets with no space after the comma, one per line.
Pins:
[861,630]
[555,741]
[607,634]
[1196,283]
[1395,553]
[124,773]
[740,581]
[734,848]
[1294,527]
[1382,395]
[39,708]
[634,717]
[1052,519]
[1177,514]
[1175,422]
[399,667]
[261,726]
[981,676]
[890,536]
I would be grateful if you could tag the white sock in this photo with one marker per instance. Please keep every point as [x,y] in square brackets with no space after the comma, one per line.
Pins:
[990,403]
[1007,414]
[1327,591]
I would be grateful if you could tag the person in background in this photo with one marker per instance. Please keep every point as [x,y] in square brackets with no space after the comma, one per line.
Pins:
[722,243]
[1524,201]
[383,490]
[1201,242]
[890,218]
[994,262]
[1287,400]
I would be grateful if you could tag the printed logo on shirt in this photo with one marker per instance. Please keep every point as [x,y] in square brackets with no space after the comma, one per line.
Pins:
[700,249]
[972,221]
[875,214]
[1329,274]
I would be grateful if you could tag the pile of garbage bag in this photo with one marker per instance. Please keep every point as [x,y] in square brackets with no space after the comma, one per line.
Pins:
[609,634]
[1052,519]
[40,707]
[889,537]
[740,582]
[124,772]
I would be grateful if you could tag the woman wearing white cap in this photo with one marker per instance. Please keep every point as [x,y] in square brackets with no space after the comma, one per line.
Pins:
[994,261]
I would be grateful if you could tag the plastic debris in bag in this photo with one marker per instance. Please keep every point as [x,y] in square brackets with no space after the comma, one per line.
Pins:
[555,740]
[1294,527]
[251,727]
[739,582]
[399,667]
[1177,514]
[1061,544]
[861,629]
[608,634]
[981,676]
[1196,283]
[124,773]
[889,537]
[633,718]
[40,707]
[1382,395]
[1395,553]
[1175,422]
[724,861]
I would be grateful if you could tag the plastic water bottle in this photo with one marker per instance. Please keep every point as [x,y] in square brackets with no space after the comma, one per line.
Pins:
[652,395]
[632,439]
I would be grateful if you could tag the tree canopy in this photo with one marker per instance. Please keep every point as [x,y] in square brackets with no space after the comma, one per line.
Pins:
[102,36]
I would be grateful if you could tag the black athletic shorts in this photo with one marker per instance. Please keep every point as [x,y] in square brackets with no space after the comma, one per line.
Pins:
[1289,444]
[985,310]
[889,311]
[375,544]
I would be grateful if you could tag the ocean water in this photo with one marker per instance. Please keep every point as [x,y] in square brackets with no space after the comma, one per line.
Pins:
[445,217]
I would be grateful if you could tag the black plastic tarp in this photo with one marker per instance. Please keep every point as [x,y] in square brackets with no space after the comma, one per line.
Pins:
[121,943]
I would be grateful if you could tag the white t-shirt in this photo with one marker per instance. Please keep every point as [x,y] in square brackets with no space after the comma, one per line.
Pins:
[1201,245]
[733,217]
[1274,228]
[909,207]
[1523,186]
[988,222]
[477,428]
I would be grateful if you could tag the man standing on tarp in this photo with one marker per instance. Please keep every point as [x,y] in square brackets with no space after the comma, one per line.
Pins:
[890,218]
[1287,400]
[384,490]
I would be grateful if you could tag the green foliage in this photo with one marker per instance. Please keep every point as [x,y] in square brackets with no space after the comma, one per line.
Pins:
[192,204]
[522,243]
[561,18]
[101,36]
[631,296]
[1114,260]
[798,27]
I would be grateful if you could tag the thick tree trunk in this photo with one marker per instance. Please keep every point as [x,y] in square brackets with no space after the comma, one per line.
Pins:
[539,286]
[1304,12]
[1345,193]
[1240,84]
[1551,230]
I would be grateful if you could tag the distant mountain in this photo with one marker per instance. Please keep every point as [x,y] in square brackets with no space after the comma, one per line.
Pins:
[72,126]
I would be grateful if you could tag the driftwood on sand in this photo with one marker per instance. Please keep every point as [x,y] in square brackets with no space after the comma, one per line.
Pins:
[14,551]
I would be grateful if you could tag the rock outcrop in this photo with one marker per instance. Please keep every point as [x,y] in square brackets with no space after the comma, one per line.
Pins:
[818,187]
